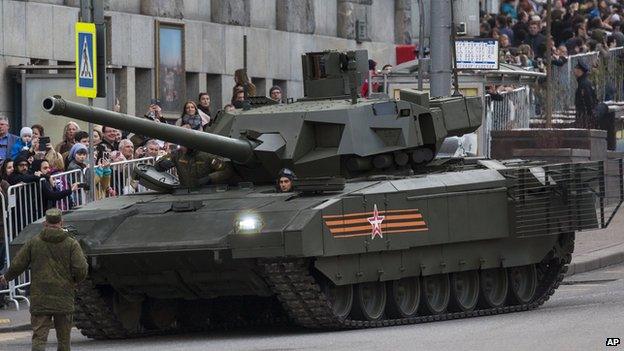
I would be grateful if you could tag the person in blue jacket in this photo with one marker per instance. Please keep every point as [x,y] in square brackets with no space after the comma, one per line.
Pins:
[23,143]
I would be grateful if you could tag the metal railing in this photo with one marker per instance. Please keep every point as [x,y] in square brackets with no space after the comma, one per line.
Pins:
[63,181]
[13,291]
[121,178]
[606,74]
[510,110]
[571,197]
[24,205]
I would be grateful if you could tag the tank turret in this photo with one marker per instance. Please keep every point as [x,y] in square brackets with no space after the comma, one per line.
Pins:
[330,132]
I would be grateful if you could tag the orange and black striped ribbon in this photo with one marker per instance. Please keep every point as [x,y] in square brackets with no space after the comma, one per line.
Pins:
[356,224]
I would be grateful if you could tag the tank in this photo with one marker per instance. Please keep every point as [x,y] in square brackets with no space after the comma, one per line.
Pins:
[377,233]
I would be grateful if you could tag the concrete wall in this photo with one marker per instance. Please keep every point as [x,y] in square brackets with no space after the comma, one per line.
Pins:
[44,30]
[325,15]
[382,21]
[262,14]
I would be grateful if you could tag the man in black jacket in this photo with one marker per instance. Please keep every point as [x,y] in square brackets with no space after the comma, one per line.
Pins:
[585,99]
[536,40]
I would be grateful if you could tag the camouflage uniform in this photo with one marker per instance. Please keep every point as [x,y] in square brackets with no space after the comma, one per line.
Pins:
[57,264]
[196,168]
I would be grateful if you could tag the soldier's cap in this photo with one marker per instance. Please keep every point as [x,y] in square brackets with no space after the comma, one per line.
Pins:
[582,66]
[53,216]
[285,172]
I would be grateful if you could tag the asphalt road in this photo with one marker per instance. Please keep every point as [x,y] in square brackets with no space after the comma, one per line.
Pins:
[584,312]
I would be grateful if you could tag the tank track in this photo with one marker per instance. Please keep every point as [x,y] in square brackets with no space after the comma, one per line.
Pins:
[301,298]
[96,320]
[307,306]
[94,317]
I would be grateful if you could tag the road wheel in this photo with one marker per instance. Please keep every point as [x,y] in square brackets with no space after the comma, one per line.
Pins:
[493,287]
[340,298]
[522,284]
[464,291]
[160,314]
[403,297]
[370,301]
[436,293]
[128,312]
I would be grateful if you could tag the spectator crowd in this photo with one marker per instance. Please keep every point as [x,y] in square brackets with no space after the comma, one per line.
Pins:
[578,26]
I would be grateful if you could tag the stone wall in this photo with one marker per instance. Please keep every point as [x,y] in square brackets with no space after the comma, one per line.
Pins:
[278,33]
[559,141]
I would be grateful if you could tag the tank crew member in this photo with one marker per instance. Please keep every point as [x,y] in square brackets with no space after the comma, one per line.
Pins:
[285,180]
[275,94]
[196,168]
[57,264]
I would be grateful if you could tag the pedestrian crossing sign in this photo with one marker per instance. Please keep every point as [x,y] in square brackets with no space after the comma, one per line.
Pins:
[86,72]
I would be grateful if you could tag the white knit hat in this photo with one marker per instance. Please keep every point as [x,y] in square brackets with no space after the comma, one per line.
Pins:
[26,131]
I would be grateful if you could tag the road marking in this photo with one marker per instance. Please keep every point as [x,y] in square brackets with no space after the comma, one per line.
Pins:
[14,336]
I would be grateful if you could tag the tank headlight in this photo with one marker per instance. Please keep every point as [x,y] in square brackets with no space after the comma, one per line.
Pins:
[249,224]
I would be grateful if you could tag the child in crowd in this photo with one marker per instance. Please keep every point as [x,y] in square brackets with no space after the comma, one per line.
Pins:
[23,143]
[77,157]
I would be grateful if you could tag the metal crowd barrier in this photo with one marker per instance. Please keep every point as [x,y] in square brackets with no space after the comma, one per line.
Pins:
[607,75]
[513,111]
[121,178]
[13,289]
[23,205]
[64,181]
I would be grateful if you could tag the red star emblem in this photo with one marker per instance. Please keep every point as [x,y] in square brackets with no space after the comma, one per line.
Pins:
[375,222]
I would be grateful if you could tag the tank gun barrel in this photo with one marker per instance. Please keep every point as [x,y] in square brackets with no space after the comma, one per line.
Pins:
[238,150]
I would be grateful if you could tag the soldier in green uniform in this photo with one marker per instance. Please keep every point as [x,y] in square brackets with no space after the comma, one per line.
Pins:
[57,264]
[196,168]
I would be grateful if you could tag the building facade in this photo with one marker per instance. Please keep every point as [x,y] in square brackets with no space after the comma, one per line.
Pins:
[41,32]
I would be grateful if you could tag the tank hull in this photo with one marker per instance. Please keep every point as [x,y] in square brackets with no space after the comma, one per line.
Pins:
[162,254]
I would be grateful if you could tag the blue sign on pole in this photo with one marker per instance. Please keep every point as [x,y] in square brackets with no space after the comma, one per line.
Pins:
[86,75]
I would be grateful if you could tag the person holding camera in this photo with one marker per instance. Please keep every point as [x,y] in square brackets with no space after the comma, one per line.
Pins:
[49,191]
[43,150]
[154,114]
[154,111]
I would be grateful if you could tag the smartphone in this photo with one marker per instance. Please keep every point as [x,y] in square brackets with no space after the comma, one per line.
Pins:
[43,142]
[82,185]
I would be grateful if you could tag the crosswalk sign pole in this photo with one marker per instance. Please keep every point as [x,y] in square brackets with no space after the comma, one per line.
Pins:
[91,159]
[86,83]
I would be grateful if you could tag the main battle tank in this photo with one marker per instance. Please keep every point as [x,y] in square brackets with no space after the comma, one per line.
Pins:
[377,232]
